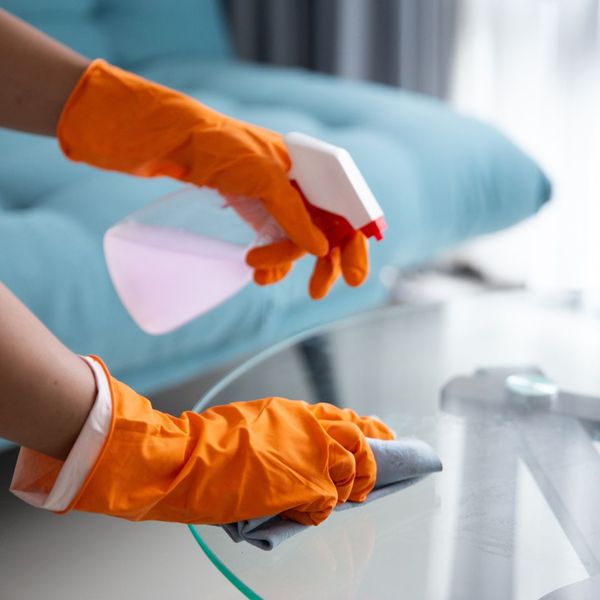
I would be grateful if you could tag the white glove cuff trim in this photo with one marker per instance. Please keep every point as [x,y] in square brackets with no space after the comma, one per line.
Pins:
[81,459]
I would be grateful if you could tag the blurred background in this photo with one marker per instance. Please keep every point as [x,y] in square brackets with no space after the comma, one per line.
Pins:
[530,67]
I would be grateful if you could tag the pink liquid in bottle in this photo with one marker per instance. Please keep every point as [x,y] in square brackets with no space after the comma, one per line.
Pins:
[166,277]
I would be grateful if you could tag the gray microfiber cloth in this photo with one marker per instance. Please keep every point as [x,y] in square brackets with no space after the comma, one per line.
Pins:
[399,464]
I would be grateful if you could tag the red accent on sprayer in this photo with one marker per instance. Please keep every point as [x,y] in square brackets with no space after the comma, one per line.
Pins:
[375,228]
[336,228]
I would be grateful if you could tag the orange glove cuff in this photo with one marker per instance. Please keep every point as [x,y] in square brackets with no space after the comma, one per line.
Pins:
[116,120]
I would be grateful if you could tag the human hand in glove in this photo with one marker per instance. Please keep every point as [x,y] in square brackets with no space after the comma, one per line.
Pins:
[116,120]
[113,119]
[228,463]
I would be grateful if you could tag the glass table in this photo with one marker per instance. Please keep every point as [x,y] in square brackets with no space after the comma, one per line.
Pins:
[514,514]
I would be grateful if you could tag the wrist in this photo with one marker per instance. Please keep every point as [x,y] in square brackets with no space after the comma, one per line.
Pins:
[52,484]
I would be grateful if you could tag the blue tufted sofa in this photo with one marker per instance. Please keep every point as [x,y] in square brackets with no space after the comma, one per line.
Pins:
[440,177]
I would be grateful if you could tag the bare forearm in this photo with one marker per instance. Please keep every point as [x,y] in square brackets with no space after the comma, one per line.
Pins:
[37,75]
[46,391]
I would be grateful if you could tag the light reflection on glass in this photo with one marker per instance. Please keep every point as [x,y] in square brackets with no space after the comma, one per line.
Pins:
[543,558]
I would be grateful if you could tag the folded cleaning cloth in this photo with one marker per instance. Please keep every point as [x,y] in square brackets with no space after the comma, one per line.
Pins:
[399,464]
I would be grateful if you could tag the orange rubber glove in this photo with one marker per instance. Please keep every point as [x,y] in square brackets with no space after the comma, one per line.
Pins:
[239,461]
[116,120]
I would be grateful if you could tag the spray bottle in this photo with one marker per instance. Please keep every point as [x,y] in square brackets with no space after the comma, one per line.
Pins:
[184,254]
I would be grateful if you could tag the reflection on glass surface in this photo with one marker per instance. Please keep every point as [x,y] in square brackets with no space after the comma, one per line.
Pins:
[513,514]
[538,535]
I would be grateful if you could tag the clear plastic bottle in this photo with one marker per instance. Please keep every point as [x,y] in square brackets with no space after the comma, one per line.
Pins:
[183,255]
